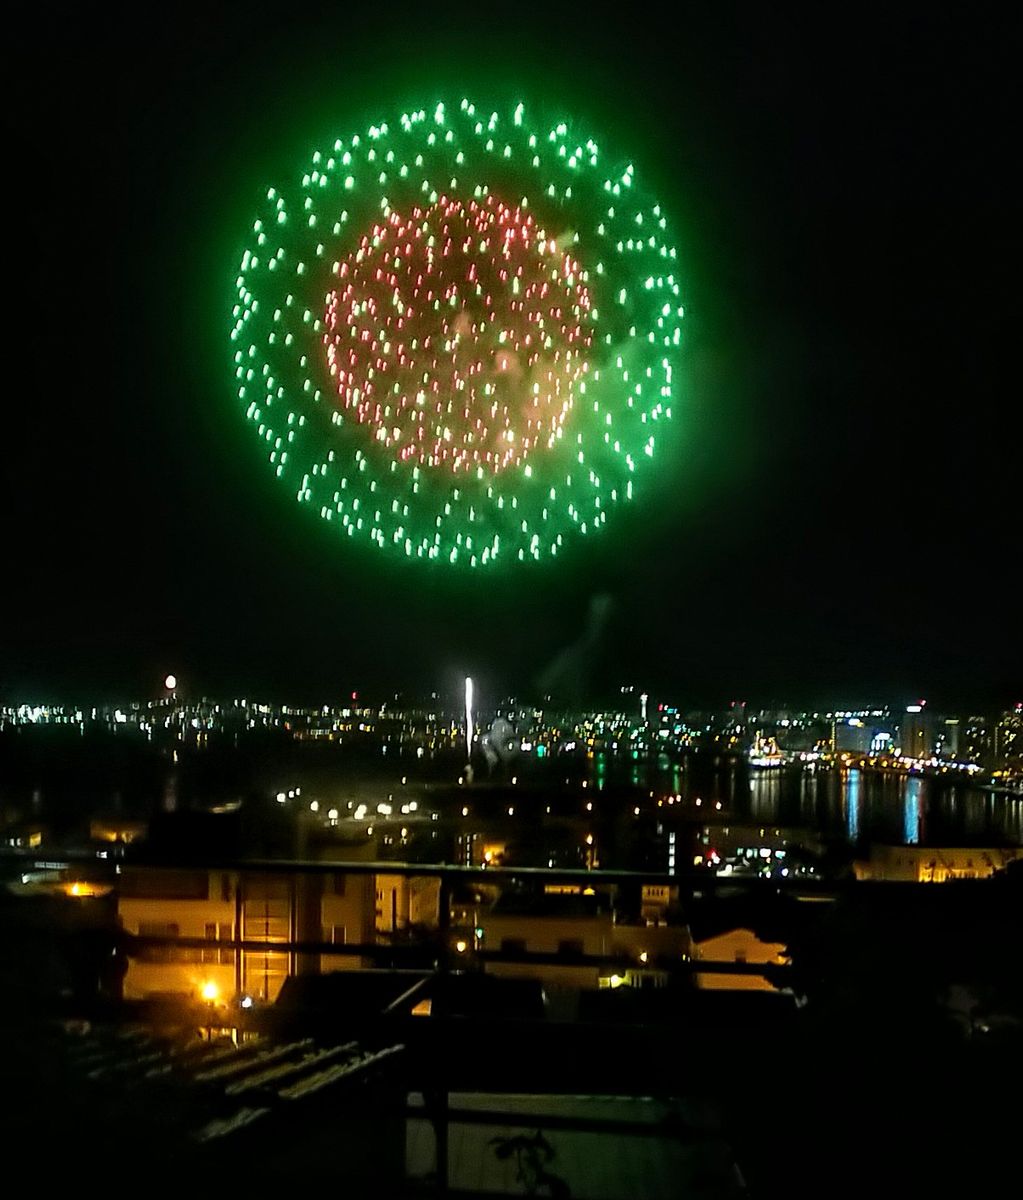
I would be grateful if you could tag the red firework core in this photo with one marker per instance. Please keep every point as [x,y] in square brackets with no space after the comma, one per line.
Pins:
[458,332]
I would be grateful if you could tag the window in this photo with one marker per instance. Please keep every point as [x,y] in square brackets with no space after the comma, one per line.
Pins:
[339,885]
[571,947]
[217,954]
[210,953]
[259,889]
[513,945]
[163,954]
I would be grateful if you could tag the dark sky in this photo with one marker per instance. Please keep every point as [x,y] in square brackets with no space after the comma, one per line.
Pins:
[840,515]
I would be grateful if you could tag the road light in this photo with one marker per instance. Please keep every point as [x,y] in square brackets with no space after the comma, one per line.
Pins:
[209,992]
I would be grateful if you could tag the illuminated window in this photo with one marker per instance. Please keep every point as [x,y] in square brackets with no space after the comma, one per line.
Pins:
[209,953]
[217,954]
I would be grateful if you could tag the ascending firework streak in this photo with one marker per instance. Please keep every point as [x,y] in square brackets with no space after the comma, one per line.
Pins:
[468,728]
[456,337]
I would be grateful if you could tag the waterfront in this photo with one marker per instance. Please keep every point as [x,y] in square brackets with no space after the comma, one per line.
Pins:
[128,778]
[839,804]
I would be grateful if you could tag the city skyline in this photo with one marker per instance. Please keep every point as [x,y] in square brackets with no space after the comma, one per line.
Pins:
[912,736]
[448,695]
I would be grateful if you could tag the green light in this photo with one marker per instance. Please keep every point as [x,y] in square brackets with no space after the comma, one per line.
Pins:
[463,347]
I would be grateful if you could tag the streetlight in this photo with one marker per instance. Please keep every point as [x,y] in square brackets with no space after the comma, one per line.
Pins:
[209,992]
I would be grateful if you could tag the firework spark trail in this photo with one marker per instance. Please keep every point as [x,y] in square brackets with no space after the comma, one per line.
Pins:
[456,337]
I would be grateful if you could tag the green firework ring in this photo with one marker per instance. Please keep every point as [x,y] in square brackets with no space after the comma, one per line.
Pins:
[456,338]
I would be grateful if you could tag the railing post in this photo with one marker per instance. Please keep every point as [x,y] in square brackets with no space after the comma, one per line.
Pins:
[440,1124]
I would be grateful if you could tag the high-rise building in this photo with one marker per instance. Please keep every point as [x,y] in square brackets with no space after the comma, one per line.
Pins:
[950,739]
[852,734]
[917,733]
[1009,738]
[976,744]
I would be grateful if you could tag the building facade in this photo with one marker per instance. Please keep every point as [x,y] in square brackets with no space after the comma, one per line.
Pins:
[236,906]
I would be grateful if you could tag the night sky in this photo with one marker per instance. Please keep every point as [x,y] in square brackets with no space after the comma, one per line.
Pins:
[838,516]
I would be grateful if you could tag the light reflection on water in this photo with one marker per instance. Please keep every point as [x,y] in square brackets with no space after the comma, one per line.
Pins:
[839,804]
[911,807]
[852,804]
[884,806]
